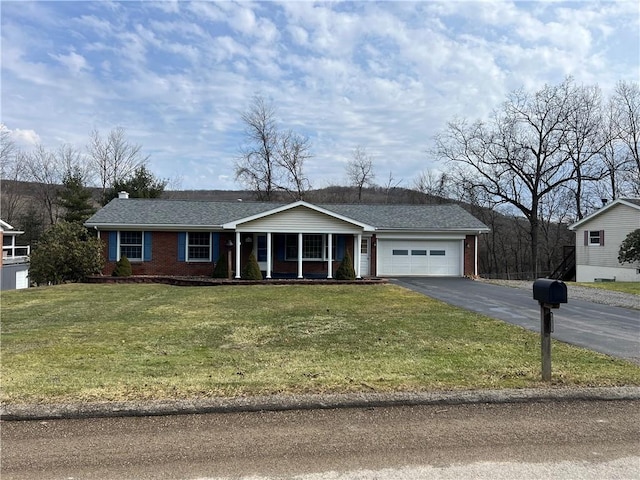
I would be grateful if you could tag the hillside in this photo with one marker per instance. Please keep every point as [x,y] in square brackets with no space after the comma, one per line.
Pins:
[504,252]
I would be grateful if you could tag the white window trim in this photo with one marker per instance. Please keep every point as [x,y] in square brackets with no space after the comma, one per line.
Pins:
[135,260]
[324,248]
[198,260]
[594,244]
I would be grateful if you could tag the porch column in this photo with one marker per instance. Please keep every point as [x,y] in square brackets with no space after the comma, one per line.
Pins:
[357,254]
[268,254]
[238,245]
[475,256]
[330,254]
[300,255]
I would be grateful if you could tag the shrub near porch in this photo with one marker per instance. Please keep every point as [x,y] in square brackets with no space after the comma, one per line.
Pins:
[123,342]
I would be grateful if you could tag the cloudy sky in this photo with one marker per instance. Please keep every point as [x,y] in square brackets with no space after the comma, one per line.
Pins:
[384,76]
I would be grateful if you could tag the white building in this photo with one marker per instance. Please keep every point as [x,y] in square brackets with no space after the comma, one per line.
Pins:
[14,267]
[598,240]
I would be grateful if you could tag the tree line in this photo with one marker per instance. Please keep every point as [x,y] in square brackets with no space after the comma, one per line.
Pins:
[541,160]
[549,157]
[62,180]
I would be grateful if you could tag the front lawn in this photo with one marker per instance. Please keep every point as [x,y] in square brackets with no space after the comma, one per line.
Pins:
[126,342]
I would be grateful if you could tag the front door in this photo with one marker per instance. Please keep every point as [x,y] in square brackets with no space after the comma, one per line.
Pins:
[365,246]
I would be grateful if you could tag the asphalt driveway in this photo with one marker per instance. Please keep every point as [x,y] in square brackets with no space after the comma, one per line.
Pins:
[611,330]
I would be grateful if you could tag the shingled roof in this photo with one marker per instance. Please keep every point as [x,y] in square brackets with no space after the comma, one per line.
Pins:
[410,217]
[174,214]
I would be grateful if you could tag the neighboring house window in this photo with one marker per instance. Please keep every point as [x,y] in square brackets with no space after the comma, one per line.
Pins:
[594,237]
[131,245]
[199,246]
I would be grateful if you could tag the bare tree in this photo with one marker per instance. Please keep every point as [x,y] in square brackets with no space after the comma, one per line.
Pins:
[7,145]
[12,171]
[433,186]
[360,170]
[271,160]
[114,158]
[293,151]
[584,142]
[626,123]
[517,158]
[390,185]
[44,170]
[256,166]
[74,163]
[556,212]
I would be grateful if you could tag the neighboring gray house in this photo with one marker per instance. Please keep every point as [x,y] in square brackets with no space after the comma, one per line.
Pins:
[598,240]
[297,240]
[14,266]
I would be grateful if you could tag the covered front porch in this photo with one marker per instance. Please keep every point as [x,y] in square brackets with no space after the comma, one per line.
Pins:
[301,255]
[300,240]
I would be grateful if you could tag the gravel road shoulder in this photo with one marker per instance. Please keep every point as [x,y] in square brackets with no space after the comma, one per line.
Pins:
[588,294]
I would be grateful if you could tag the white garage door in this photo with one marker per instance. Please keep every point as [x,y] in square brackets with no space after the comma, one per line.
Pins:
[419,257]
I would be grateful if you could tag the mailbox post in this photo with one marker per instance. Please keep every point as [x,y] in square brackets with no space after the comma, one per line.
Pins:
[550,294]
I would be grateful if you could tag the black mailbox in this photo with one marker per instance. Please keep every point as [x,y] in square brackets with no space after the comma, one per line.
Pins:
[549,291]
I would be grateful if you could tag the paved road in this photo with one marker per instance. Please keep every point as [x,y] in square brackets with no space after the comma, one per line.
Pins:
[560,440]
[611,330]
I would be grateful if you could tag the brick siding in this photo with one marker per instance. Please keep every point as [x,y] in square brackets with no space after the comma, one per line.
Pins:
[469,254]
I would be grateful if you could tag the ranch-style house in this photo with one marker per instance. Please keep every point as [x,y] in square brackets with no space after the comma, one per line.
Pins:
[289,240]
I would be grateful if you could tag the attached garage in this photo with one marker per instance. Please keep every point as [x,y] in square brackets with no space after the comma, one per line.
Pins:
[420,257]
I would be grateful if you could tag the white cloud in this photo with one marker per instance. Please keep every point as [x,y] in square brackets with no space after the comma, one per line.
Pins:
[97,25]
[25,138]
[74,62]
[383,75]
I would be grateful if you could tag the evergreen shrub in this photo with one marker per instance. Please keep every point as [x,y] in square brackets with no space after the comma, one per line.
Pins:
[252,269]
[220,270]
[123,268]
[345,270]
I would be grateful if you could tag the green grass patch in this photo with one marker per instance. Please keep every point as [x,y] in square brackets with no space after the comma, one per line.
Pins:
[127,342]
[624,287]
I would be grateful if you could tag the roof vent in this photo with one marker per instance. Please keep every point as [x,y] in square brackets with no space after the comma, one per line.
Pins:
[604,201]
[123,194]
[239,199]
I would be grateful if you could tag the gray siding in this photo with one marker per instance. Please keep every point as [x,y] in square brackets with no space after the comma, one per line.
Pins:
[8,277]
[616,223]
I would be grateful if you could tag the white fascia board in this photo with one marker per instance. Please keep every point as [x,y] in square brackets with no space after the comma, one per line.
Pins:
[4,226]
[155,227]
[617,201]
[421,235]
[300,203]
[411,231]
